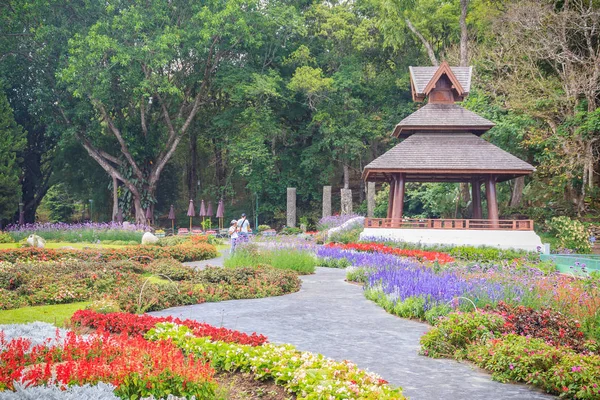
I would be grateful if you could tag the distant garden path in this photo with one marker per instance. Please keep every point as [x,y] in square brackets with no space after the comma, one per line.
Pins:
[332,317]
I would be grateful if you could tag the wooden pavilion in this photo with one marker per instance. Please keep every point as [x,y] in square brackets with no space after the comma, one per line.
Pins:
[442,143]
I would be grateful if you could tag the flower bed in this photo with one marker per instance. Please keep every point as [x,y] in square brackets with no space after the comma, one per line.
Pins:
[133,286]
[89,232]
[420,255]
[132,325]
[183,253]
[310,376]
[177,357]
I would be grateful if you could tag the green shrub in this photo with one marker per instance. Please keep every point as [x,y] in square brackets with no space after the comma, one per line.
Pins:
[301,261]
[452,334]
[290,230]
[262,228]
[357,274]
[170,269]
[436,312]
[571,234]
[488,254]
[6,238]
[575,376]
[346,236]
[173,240]
[330,262]
[515,358]
[412,307]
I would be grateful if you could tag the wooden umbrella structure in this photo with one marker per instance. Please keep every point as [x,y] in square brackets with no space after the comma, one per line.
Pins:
[172,218]
[220,213]
[209,214]
[191,213]
[202,212]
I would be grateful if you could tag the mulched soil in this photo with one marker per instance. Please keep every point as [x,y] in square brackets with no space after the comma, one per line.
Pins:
[242,386]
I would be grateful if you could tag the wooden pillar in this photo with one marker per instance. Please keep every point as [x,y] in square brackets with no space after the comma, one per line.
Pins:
[391,198]
[492,202]
[398,208]
[476,199]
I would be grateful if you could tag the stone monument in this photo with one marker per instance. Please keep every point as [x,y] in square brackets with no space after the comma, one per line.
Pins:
[370,199]
[346,201]
[326,201]
[291,207]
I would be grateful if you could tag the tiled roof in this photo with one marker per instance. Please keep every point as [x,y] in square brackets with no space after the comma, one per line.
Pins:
[422,75]
[442,116]
[450,153]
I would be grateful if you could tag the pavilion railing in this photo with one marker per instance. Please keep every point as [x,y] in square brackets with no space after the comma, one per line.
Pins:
[483,224]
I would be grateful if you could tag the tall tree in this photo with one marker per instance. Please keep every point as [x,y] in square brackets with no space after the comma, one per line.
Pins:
[146,68]
[12,142]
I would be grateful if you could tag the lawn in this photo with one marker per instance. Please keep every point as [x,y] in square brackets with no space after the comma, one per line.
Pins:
[55,314]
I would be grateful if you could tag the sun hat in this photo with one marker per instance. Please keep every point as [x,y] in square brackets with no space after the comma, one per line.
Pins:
[233,221]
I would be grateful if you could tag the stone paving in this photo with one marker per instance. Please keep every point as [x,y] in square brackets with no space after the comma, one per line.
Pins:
[332,317]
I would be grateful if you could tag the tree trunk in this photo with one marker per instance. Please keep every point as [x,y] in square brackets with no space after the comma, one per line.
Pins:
[346,177]
[465,197]
[220,172]
[140,215]
[427,45]
[115,198]
[517,192]
[464,37]
[193,166]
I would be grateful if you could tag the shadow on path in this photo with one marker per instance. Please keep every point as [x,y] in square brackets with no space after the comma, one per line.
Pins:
[332,317]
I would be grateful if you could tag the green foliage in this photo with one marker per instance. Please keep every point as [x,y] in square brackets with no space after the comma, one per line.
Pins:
[357,275]
[12,142]
[104,306]
[262,228]
[5,237]
[571,234]
[290,230]
[346,236]
[451,335]
[60,203]
[301,261]
[330,262]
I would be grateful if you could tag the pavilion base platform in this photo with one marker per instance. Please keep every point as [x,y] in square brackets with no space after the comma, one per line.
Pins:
[504,239]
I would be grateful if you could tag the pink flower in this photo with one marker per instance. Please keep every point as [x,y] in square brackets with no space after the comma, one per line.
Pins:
[576,369]
[511,366]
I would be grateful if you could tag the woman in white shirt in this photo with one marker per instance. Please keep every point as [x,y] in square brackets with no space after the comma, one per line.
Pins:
[233,233]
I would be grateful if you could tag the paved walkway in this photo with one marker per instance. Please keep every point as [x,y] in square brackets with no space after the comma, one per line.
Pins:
[332,317]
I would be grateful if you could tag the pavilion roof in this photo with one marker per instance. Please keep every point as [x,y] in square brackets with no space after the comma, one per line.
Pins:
[444,117]
[421,76]
[440,157]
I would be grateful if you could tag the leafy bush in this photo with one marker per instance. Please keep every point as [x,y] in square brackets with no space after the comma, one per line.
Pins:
[173,240]
[301,261]
[290,230]
[330,262]
[6,238]
[574,377]
[346,236]
[488,254]
[451,335]
[357,274]
[571,234]
[171,269]
[262,228]
[551,326]
[514,357]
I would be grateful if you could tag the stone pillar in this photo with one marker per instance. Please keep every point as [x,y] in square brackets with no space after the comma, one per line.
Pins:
[476,199]
[398,208]
[492,202]
[346,201]
[370,199]
[391,198]
[326,201]
[291,207]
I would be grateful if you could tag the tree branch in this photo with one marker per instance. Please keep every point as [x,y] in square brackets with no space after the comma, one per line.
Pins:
[427,45]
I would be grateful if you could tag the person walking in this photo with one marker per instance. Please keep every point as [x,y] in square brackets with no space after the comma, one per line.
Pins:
[233,234]
[243,228]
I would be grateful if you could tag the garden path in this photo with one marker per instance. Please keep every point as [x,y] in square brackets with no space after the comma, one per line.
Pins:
[332,317]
